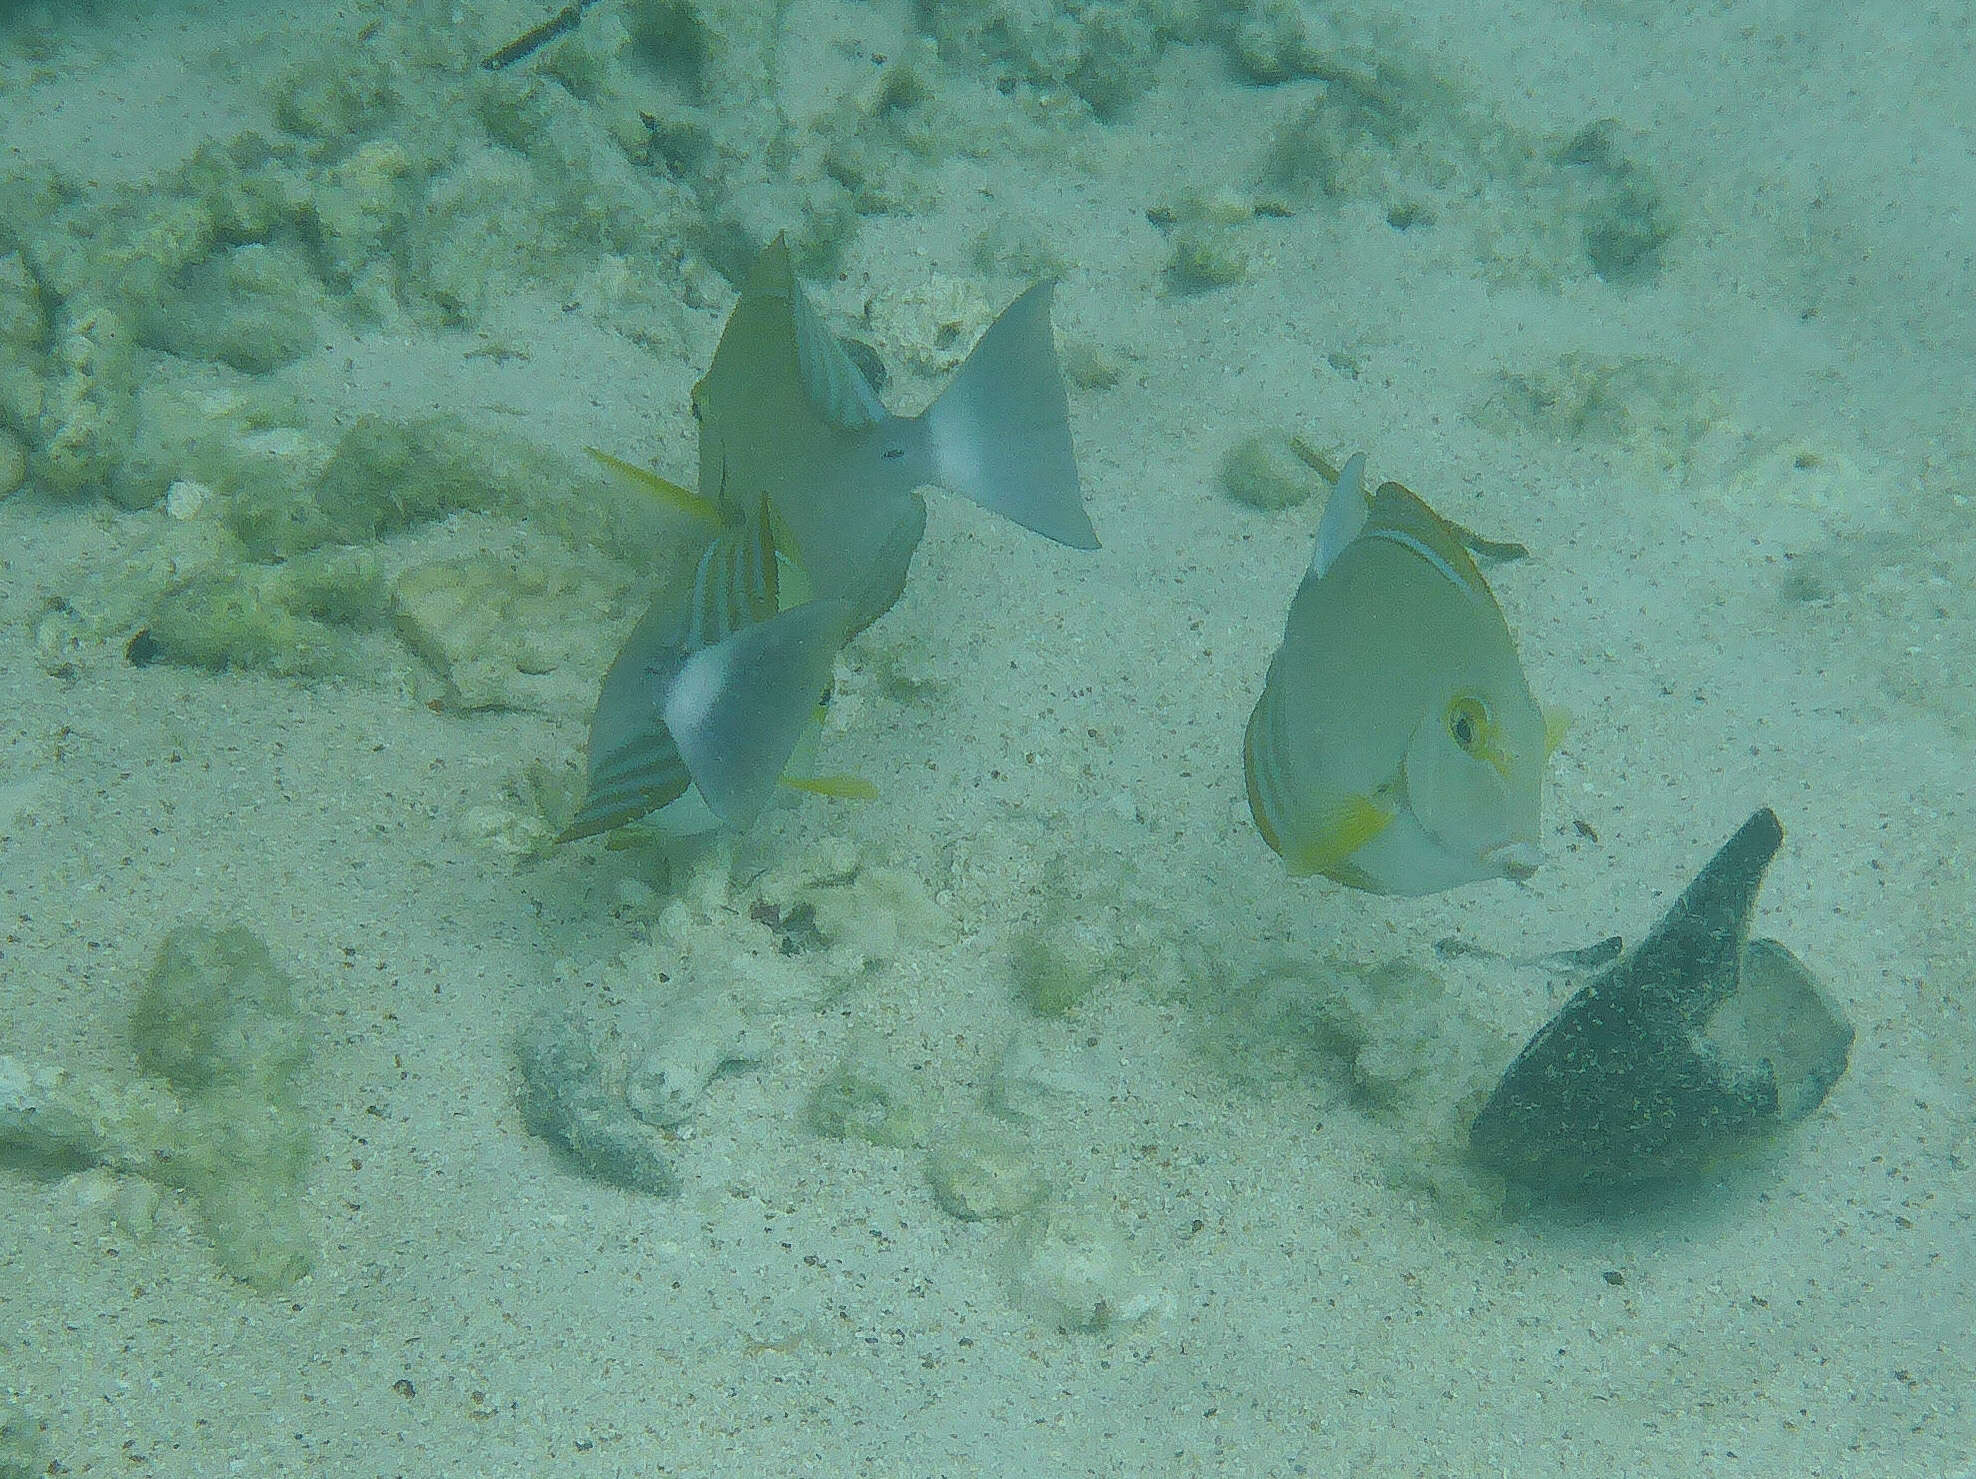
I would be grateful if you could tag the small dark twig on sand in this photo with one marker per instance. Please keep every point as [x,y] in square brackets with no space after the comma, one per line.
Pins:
[535,37]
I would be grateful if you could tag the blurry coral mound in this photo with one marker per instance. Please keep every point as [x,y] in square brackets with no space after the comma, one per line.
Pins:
[218,1111]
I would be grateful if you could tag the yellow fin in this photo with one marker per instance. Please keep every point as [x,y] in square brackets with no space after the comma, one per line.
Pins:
[664,489]
[838,787]
[1557,723]
[1355,821]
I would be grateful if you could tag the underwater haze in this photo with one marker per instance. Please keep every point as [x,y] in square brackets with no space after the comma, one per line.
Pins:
[1007,1108]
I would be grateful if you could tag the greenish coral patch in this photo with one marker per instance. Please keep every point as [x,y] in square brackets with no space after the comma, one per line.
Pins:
[497,629]
[1653,407]
[1265,471]
[868,1097]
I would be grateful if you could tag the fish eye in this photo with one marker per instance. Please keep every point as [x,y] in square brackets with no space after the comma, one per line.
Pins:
[1468,723]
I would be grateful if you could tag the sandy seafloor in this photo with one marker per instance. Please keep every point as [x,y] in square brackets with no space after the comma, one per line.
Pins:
[1784,386]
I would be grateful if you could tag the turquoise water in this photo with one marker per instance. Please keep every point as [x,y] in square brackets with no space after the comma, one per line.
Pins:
[1026,1119]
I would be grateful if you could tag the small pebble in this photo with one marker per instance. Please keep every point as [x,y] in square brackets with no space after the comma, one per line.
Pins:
[1264,471]
[186,497]
[979,1172]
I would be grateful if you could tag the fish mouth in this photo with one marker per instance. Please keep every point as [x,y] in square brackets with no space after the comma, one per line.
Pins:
[1514,860]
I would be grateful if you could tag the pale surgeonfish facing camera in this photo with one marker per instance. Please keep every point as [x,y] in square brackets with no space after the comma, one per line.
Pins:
[1396,746]
[786,415]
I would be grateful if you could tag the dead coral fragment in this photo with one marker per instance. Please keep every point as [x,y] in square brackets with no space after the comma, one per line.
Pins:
[572,1081]
[217,1031]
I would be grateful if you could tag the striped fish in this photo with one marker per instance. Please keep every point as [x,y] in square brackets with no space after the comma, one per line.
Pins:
[713,692]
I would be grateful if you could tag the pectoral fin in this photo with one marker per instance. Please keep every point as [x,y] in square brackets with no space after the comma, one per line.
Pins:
[836,787]
[684,500]
[737,709]
[1348,826]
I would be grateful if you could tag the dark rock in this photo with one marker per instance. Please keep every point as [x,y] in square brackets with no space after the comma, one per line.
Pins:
[1691,1045]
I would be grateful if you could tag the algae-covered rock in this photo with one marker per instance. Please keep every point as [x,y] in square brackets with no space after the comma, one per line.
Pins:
[23,313]
[504,631]
[1102,51]
[337,94]
[1626,220]
[254,307]
[362,205]
[218,1113]
[1101,920]
[224,613]
[24,333]
[1655,408]
[1264,470]
[385,476]
[23,1454]
[1205,256]
[1069,1265]
[1281,39]
[1386,1036]
[216,1010]
[1062,960]
[572,1094]
[86,415]
[868,1096]
[217,1020]
[13,462]
[979,1171]
[237,619]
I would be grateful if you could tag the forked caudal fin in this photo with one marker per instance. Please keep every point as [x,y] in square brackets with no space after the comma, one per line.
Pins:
[737,709]
[1000,434]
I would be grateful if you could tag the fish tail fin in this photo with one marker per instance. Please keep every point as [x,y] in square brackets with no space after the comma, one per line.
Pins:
[1000,434]
[737,709]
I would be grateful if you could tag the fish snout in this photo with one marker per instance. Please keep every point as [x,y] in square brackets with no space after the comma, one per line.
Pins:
[1514,860]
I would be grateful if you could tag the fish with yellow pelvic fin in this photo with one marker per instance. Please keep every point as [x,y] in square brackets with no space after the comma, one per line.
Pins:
[717,691]
[786,415]
[1396,747]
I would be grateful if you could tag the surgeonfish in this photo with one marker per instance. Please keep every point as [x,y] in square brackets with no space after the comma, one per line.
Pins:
[812,486]
[1396,746]
[787,416]
[714,692]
